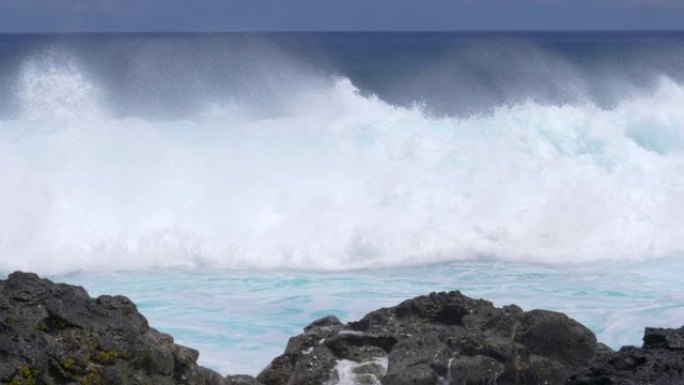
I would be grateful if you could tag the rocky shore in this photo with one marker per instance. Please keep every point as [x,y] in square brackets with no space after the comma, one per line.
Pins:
[57,334]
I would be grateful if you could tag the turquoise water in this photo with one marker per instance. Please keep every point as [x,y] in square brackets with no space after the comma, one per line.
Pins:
[240,320]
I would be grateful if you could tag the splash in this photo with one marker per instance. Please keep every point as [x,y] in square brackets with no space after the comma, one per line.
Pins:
[334,179]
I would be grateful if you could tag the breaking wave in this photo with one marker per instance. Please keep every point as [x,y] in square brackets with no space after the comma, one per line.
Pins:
[334,178]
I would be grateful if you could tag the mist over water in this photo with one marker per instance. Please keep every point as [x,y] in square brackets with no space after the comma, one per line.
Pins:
[338,151]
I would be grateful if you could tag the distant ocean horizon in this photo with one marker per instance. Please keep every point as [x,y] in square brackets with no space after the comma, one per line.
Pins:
[239,185]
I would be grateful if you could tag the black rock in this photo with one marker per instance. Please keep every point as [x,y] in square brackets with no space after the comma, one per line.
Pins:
[56,334]
[466,370]
[241,379]
[660,361]
[436,339]
[670,339]
[310,367]
[420,374]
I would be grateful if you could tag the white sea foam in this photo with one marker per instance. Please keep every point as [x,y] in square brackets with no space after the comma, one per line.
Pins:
[346,372]
[334,180]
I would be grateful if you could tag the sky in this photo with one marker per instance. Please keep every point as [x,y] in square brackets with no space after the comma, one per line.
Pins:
[337,15]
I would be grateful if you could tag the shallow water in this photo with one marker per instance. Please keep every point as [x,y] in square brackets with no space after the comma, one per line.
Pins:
[240,320]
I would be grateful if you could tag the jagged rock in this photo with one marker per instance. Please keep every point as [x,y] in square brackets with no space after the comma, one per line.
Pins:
[420,349]
[660,361]
[670,339]
[56,334]
[555,335]
[475,370]
[241,379]
[325,322]
[420,374]
[440,337]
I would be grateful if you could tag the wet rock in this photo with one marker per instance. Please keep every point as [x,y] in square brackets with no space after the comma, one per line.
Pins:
[475,370]
[308,367]
[555,335]
[359,346]
[660,361]
[57,334]
[371,368]
[440,337]
[417,350]
[542,370]
[669,339]
[241,379]
[603,350]
[420,374]
[325,322]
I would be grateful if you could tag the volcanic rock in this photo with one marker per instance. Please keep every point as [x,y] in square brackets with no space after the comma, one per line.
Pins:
[438,339]
[660,361]
[57,334]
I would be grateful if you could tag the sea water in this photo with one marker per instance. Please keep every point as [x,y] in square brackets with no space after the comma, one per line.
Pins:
[239,186]
[241,320]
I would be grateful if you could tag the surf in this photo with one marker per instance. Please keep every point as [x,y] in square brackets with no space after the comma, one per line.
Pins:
[334,178]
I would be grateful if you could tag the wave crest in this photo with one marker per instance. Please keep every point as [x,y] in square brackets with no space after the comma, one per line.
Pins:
[334,180]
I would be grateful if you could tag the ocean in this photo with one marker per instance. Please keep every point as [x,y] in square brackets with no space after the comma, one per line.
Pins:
[238,186]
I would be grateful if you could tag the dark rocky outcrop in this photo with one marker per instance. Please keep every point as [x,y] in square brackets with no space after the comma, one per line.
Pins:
[660,361]
[437,339]
[57,334]
[241,379]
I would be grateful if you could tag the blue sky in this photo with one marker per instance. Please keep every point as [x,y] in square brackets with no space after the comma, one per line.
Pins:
[355,15]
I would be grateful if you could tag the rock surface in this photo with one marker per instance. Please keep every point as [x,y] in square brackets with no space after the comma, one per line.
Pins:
[438,339]
[57,334]
[660,361]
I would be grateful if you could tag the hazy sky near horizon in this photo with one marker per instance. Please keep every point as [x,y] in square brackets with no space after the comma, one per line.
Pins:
[338,15]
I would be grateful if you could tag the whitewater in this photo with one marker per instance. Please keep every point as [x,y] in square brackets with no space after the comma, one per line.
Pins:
[237,211]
